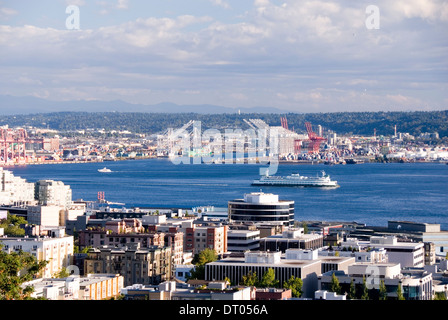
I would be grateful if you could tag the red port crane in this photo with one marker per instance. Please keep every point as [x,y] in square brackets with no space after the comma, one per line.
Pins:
[12,145]
[314,139]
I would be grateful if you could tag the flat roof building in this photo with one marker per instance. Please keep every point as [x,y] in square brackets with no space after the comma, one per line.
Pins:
[260,262]
[259,207]
[294,238]
[243,240]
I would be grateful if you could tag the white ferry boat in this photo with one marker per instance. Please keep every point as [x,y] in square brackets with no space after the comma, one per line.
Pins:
[104,170]
[296,180]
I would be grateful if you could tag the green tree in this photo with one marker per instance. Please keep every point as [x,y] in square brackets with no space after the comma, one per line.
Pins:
[439,296]
[365,290]
[200,260]
[295,284]
[400,293]
[268,280]
[12,224]
[84,250]
[250,279]
[15,269]
[205,256]
[62,274]
[382,291]
[352,291]
[305,227]
[334,285]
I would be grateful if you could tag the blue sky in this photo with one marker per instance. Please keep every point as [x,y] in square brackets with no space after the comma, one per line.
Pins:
[300,56]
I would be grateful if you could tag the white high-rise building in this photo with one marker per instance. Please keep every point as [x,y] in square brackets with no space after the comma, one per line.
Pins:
[15,190]
[49,192]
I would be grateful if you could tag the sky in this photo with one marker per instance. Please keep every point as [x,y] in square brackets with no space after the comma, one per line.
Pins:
[298,56]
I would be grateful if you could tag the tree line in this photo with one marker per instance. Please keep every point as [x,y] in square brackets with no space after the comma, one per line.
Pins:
[360,123]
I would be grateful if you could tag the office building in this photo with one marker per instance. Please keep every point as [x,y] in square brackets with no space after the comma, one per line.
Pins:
[260,262]
[243,240]
[416,286]
[408,254]
[262,207]
[293,238]
[170,290]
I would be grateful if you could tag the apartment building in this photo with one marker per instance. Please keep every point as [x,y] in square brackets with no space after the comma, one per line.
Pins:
[15,190]
[58,250]
[97,237]
[198,238]
[50,192]
[136,264]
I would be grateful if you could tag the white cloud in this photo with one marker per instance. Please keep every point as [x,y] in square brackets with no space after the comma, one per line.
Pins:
[290,54]
[6,13]
[75,2]
[220,3]
[122,4]
[432,10]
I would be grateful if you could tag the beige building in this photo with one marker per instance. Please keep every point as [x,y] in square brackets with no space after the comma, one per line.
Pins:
[91,287]
[100,286]
[58,251]
[45,215]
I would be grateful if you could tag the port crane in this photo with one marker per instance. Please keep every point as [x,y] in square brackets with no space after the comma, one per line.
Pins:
[315,140]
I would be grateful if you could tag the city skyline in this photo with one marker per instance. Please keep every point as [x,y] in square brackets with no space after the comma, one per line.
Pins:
[297,56]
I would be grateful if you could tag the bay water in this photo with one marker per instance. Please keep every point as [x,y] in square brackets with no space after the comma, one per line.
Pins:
[371,193]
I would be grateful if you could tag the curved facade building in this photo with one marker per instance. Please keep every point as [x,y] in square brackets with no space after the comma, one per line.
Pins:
[262,207]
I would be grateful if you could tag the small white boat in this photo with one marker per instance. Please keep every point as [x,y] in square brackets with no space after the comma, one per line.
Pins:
[104,170]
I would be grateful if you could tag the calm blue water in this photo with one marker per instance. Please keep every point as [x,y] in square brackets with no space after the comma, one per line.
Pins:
[369,193]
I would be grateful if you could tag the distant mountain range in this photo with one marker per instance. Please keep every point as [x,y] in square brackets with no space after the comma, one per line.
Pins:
[11,105]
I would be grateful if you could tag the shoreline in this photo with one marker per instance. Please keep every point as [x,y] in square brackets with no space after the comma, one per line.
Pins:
[298,162]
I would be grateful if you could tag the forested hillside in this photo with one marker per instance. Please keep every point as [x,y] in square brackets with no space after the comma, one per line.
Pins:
[341,123]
